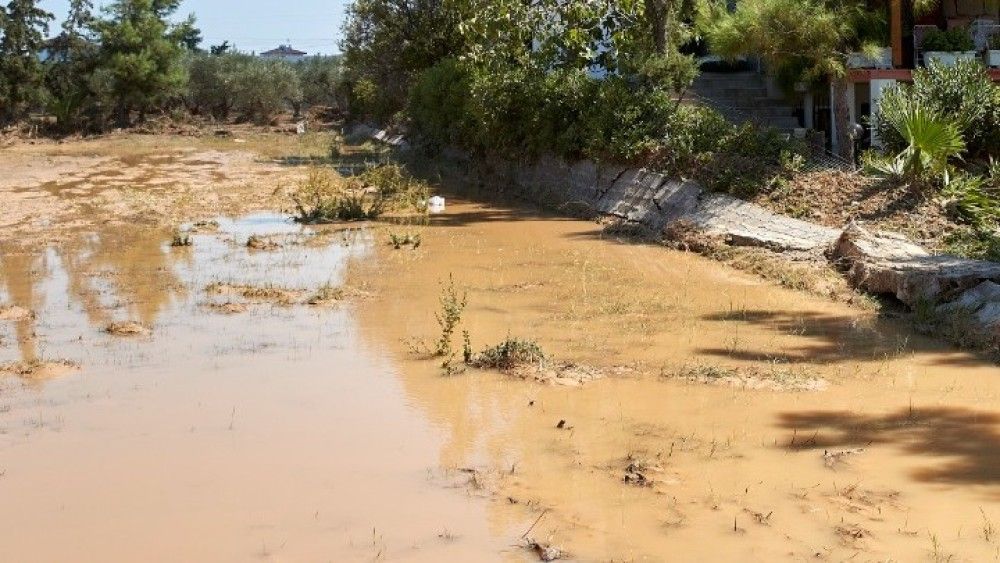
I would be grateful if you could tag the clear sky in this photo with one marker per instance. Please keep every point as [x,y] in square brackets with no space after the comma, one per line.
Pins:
[256,25]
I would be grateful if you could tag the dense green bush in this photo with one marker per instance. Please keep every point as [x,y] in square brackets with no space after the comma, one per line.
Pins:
[957,39]
[628,123]
[438,103]
[964,93]
[519,112]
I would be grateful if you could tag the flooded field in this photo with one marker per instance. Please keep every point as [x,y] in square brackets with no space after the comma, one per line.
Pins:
[205,399]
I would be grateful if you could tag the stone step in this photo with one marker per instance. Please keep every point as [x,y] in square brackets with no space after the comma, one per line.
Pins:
[743,96]
[782,123]
[769,111]
[730,77]
[738,93]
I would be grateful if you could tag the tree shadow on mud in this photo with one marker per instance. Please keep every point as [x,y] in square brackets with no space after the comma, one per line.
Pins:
[837,338]
[967,440]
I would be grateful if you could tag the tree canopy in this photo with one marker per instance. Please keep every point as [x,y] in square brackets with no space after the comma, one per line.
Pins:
[141,54]
[23,26]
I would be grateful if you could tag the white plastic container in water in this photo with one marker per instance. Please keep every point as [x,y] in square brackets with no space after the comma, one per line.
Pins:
[436,204]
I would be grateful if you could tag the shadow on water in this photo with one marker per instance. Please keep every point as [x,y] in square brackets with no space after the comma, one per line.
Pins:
[967,438]
[837,338]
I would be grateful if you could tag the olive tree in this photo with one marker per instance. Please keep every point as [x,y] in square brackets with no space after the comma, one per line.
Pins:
[237,84]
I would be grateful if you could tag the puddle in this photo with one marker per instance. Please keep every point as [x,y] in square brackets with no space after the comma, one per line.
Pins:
[274,434]
[733,420]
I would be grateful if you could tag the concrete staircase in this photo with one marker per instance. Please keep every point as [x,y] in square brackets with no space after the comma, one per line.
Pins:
[743,96]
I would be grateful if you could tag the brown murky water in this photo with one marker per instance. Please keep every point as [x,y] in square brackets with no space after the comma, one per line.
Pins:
[295,432]
[275,434]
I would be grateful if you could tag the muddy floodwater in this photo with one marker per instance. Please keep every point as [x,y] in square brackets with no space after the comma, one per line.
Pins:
[274,402]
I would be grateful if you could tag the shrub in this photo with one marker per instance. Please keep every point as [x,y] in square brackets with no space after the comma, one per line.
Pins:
[367,100]
[737,159]
[317,198]
[628,123]
[973,243]
[393,186]
[964,93]
[956,39]
[323,197]
[438,103]
[452,306]
[931,141]
[974,200]
[510,354]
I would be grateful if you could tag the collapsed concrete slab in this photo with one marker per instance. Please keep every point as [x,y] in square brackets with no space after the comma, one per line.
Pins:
[887,263]
[656,200]
[745,224]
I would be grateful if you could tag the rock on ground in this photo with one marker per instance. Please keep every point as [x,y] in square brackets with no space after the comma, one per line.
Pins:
[886,263]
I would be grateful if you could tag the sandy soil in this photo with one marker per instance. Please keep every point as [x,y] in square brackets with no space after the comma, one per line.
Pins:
[51,190]
[685,411]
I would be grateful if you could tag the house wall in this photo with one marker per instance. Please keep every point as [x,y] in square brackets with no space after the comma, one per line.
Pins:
[876,88]
[960,13]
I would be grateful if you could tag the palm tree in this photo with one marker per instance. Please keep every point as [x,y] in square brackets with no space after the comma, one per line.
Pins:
[932,141]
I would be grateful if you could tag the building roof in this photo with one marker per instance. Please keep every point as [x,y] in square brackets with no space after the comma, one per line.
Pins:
[284,51]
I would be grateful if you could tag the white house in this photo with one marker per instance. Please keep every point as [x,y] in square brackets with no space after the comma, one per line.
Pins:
[285,53]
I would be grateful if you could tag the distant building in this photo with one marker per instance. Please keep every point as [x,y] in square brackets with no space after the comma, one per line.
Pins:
[285,53]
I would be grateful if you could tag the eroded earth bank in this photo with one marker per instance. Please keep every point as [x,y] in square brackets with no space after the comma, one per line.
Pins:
[169,392]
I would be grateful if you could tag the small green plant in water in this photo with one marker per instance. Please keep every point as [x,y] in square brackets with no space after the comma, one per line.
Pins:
[509,355]
[398,241]
[452,306]
[467,354]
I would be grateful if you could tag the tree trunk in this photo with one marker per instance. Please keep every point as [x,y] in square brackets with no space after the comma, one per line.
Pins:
[842,121]
[122,111]
[656,13]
